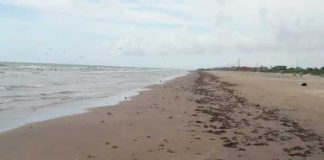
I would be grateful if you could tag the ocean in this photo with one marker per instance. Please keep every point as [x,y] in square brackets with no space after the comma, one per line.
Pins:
[34,92]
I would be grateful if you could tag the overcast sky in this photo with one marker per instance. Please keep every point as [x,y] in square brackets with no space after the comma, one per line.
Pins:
[163,33]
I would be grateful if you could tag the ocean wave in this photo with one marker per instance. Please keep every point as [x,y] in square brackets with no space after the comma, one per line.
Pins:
[37,85]
[3,101]
[55,93]
[3,88]
[12,100]
[4,108]
[70,95]
[12,87]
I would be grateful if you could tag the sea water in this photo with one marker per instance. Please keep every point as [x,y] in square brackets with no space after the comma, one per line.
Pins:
[35,92]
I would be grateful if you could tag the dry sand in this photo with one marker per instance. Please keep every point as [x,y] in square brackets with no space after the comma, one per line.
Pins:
[194,117]
[305,104]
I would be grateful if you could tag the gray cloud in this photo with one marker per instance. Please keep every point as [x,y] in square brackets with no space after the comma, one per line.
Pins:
[185,28]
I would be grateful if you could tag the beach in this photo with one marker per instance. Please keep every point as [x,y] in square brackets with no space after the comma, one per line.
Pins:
[205,115]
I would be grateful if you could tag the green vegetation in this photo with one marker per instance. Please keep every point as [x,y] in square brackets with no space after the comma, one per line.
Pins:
[298,70]
[279,69]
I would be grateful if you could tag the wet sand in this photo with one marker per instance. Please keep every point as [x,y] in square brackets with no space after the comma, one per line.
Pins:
[207,116]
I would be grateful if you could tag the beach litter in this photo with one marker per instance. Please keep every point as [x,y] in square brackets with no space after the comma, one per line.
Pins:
[304,84]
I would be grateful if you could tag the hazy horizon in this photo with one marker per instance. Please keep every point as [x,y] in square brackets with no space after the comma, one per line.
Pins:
[185,34]
[77,64]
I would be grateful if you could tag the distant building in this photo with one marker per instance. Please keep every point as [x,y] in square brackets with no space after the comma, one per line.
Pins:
[279,68]
[262,68]
[246,68]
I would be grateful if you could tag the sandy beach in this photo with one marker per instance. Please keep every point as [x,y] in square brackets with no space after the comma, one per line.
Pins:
[203,116]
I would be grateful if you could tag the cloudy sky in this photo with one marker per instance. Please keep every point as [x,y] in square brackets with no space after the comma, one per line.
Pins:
[163,33]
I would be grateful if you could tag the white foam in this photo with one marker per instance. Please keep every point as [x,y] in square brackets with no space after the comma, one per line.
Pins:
[3,88]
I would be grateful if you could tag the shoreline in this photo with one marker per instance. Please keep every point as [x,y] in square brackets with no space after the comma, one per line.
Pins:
[65,111]
[198,116]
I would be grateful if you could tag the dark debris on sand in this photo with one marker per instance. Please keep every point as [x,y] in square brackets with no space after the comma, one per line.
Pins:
[230,114]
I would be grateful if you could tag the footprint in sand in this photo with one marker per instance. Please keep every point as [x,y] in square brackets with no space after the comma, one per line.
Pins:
[91,156]
[170,151]
[165,140]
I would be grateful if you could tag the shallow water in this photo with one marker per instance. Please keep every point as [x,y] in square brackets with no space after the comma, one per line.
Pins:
[35,92]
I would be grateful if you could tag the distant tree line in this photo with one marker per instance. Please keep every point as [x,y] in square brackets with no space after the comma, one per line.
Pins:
[297,70]
[277,69]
